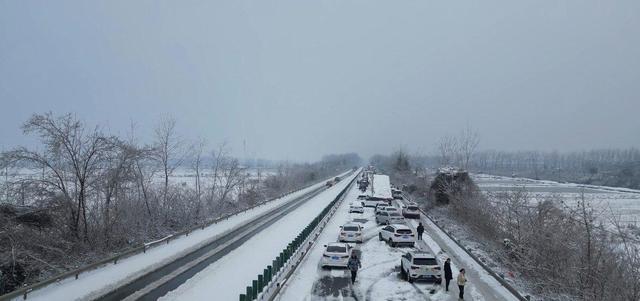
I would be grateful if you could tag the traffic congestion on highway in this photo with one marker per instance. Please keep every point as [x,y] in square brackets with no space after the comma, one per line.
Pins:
[377,248]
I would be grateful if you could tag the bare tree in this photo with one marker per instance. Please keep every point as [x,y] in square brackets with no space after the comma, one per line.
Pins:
[170,151]
[448,149]
[467,145]
[71,157]
[197,167]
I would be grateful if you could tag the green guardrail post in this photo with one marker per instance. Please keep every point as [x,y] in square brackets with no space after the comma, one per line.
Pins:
[243,297]
[255,289]
[249,293]
[265,272]
[260,283]
[270,268]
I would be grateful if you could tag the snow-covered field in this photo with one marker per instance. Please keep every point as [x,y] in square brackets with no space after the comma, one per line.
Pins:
[228,277]
[611,201]
[379,277]
[104,279]
[181,176]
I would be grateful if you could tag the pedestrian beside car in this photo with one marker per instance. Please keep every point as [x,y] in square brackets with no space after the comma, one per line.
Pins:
[420,230]
[353,265]
[462,280]
[447,273]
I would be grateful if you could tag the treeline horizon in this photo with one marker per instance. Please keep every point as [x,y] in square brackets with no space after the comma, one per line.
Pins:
[96,193]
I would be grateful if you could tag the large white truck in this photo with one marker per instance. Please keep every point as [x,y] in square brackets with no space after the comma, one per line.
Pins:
[380,192]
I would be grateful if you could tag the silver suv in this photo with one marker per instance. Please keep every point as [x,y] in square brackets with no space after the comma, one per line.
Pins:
[388,218]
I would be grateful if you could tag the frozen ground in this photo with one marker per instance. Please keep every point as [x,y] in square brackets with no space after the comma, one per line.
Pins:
[379,277]
[613,202]
[228,277]
[109,276]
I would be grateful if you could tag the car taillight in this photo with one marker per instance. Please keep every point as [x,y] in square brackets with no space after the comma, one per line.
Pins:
[437,268]
[326,256]
[341,233]
[413,267]
[396,235]
[358,234]
[347,256]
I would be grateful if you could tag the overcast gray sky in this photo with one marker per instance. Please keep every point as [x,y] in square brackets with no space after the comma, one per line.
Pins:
[298,79]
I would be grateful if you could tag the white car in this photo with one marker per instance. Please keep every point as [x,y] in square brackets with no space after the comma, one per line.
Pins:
[357,208]
[411,211]
[397,235]
[336,255]
[350,233]
[373,202]
[396,193]
[379,207]
[385,208]
[420,266]
[388,218]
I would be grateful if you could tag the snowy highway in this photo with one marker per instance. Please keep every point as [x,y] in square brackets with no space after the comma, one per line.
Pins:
[227,277]
[379,278]
[149,275]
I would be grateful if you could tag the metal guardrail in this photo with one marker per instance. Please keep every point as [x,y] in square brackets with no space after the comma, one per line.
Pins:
[24,291]
[501,280]
[268,284]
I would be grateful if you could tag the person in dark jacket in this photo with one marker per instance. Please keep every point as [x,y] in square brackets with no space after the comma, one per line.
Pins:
[353,265]
[447,273]
[420,231]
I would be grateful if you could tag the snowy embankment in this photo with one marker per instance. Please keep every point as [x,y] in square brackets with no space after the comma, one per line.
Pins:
[228,277]
[379,279]
[99,281]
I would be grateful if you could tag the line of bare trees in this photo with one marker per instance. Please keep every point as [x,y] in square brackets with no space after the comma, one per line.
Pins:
[610,167]
[564,252]
[84,193]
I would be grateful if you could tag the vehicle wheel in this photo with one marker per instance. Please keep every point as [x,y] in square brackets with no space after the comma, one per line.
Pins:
[409,278]
[380,236]
[391,243]
[439,281]
[403,274]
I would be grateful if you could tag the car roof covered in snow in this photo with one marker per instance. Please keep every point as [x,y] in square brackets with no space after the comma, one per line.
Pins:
[338,244]
[351,225]
[400,227]
[421,254]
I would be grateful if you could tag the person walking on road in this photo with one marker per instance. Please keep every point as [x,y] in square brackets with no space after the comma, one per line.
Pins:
[420,231]
[447,273]
[462,280]
[353,265]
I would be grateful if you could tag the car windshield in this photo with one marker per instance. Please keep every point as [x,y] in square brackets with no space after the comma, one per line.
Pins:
[412,208]
[403,231]
[350,228]
[336,249]
[425,261]
[394,214]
